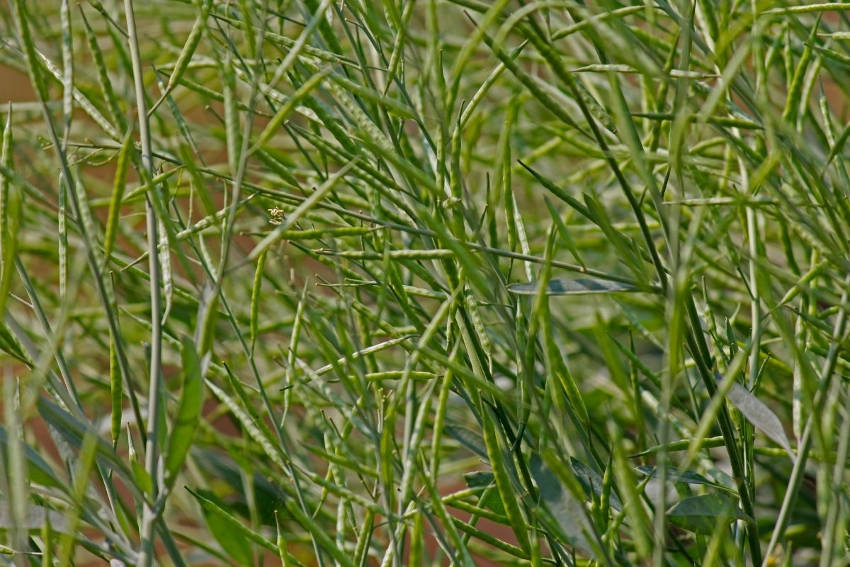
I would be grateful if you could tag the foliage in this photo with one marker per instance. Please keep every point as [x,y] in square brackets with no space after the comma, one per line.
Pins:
[384,283]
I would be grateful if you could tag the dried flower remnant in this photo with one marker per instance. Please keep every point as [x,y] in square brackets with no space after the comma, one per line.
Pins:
[275,215]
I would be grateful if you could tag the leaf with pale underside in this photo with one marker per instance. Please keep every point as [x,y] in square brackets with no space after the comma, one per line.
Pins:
[761,416]
[578,286]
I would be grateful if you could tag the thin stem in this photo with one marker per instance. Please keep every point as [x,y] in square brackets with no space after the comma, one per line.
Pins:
[152,461]
[827,373]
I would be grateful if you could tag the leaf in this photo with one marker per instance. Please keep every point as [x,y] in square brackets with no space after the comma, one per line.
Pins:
[680,476]
[468,439]
[35,517]
[319,534]
[761,416]
[11,345]
[188,412]
[502,466]
[566,510]
[269,496]
[700,513]
[560,193]
[578,286]
[11,214]
[592,483]
[39,470]
[478,479]
[230,533]
[142,478]
[74,431]
[486,480]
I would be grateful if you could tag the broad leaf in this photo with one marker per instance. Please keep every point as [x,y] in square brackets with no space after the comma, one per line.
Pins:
[486,480]
[233,536]
[566,510]
[761,416]
[701,513]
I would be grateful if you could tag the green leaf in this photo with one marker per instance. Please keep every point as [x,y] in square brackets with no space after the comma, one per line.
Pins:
[188,412]
[511,497]
[592,482]
[39,470]
[230,533]
[11,214]
[469,439]
[478,479]
[568,512]
[578,286]
[143,479]
[318,534]
[74,431]
[701,513]
[757,413]
[490,496]
[680,476]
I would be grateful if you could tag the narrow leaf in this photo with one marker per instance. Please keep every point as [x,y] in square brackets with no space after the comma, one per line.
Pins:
[680,476]
[188,412]
[579,286]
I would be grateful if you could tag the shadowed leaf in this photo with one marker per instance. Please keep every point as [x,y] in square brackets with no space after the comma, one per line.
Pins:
[700,513]
[233,536]
[680,476]
[566,510]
